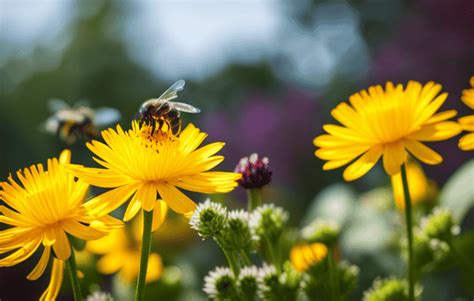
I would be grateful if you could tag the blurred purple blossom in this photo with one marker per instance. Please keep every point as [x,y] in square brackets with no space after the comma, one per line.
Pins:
[279,128]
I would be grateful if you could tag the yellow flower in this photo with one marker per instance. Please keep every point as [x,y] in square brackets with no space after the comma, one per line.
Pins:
[386,123]
[121,252]
[421,188]
[141,163]
[467,122]
[303,256]
[46,207]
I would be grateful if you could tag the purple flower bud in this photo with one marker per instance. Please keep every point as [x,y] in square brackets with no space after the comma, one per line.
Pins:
[255,172]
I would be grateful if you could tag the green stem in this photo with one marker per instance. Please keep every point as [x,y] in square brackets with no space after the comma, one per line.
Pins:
[408,220]
[254,198]
[333,277]
[146,248]
[271,254]
[244,256]
[232,260]
[72,268]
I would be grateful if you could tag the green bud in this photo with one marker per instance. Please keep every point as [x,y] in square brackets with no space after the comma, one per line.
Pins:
[348,276]
[209,219]
[322,231]
[439,224]
[220,285]
[269,221]
[391,289]
[317,282]
[422,250]
[236,233]
[440,249]
[274,287]
[248,282]
[268,282]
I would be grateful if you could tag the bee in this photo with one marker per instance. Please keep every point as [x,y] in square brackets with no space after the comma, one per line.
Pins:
[77,122]
[160,111]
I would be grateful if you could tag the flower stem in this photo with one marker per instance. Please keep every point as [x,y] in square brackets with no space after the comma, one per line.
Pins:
[146,248]
[245,258]
[232,260]
[270,251]
[332,276]
[254,198]
[408,220]
[72,268]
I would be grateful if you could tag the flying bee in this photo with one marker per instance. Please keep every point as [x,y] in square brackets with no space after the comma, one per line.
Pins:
[77,122]
[160,111]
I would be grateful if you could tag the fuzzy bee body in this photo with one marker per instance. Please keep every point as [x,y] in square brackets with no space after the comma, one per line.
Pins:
[79,122]
[161,111]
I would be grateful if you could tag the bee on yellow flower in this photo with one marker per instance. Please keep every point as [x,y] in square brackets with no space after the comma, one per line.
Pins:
[467,122]
[42,209]
[386,123]
[142,162]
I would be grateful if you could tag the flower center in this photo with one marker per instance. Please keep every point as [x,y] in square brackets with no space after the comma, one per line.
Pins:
[389,119]
[155,137]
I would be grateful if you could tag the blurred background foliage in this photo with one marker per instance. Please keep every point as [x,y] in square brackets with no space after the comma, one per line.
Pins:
[265,74]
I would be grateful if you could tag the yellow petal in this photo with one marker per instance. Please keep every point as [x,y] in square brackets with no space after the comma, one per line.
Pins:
[394,156]
[132,209]
[110,200]
[335,164]
[65,157]
[81,231]
[422,152]
[159,214]
[61,247]
[110,263]
[41,266]
[441,116]
[147,196]
[55,282]
[436,131]
[467,123]
[363,164]
[155,267]
[99,177]
[466,142]
[178,201]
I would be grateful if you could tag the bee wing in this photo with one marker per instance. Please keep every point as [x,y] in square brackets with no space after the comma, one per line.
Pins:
[106,116]
[50,126]
[184,107]
[56,104]
[172,91]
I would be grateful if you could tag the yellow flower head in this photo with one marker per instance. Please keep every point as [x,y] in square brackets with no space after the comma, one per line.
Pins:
[386,123]
[467,122]
[41,211]
[305,255]
[121,252]
[142,162]
[421,188]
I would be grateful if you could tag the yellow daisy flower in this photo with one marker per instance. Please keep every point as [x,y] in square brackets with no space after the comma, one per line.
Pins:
[421,188]
[121,253]
[139,163]
[42,210]
[388,123]
[303,256]
[467,122]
